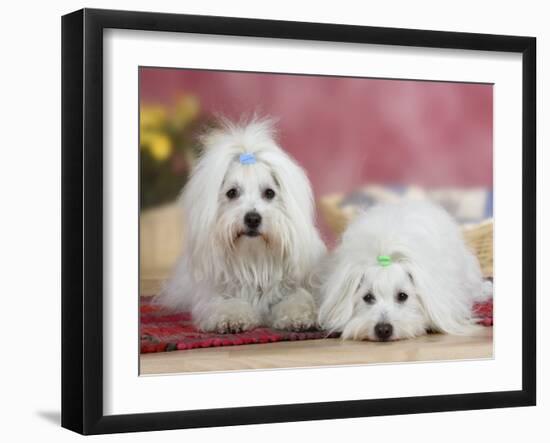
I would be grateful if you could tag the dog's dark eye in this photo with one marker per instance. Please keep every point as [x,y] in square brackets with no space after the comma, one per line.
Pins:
[369,299]
[401,297]
[269,194]
[232,193]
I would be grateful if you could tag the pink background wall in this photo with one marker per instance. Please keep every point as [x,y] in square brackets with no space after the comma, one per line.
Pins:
[347,132]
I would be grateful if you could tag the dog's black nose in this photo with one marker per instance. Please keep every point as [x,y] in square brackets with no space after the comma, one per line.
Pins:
[383,330]
[252,219]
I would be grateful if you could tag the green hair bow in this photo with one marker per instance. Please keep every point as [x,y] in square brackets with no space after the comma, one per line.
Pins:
[384,260]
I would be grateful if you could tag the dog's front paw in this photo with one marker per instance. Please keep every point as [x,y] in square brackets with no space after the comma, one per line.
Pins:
[230,317]
[296,312]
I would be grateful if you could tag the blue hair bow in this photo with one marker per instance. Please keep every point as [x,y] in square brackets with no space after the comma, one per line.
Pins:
[247,158]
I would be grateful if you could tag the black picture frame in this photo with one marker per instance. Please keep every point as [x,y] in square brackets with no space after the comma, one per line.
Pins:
[82,220]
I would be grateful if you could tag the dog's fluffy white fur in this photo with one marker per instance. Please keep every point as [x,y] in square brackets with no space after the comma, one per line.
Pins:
[430,264]
[231,276]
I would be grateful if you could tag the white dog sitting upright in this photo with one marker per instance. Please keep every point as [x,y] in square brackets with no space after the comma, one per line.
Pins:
[401,270]
[250,238]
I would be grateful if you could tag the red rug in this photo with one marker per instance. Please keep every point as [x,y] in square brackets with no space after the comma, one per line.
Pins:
[162,332]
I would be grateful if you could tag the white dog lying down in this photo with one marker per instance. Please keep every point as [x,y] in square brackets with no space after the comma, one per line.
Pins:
[401,270]
[250,237]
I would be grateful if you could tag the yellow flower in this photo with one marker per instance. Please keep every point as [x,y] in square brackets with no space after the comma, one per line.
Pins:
[152,117]
[160,147]
[186,110]
[145,138]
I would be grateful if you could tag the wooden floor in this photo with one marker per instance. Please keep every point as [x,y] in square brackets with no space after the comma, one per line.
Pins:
[328,352]
[299,354]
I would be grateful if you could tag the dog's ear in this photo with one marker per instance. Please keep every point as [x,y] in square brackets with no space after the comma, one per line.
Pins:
[199,201]
[304,242]
[443,307]
[342,282]
[293,182]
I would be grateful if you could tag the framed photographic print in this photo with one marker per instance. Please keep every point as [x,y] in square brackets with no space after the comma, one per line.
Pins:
[260,216]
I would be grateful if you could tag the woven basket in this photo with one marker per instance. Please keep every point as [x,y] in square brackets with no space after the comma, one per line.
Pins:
[336,216]
[161,240]
[478,236]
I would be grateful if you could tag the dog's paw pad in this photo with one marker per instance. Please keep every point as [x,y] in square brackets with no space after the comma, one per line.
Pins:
[232,327]
[295,320]
[232,320]
[296,313]
[306,326]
